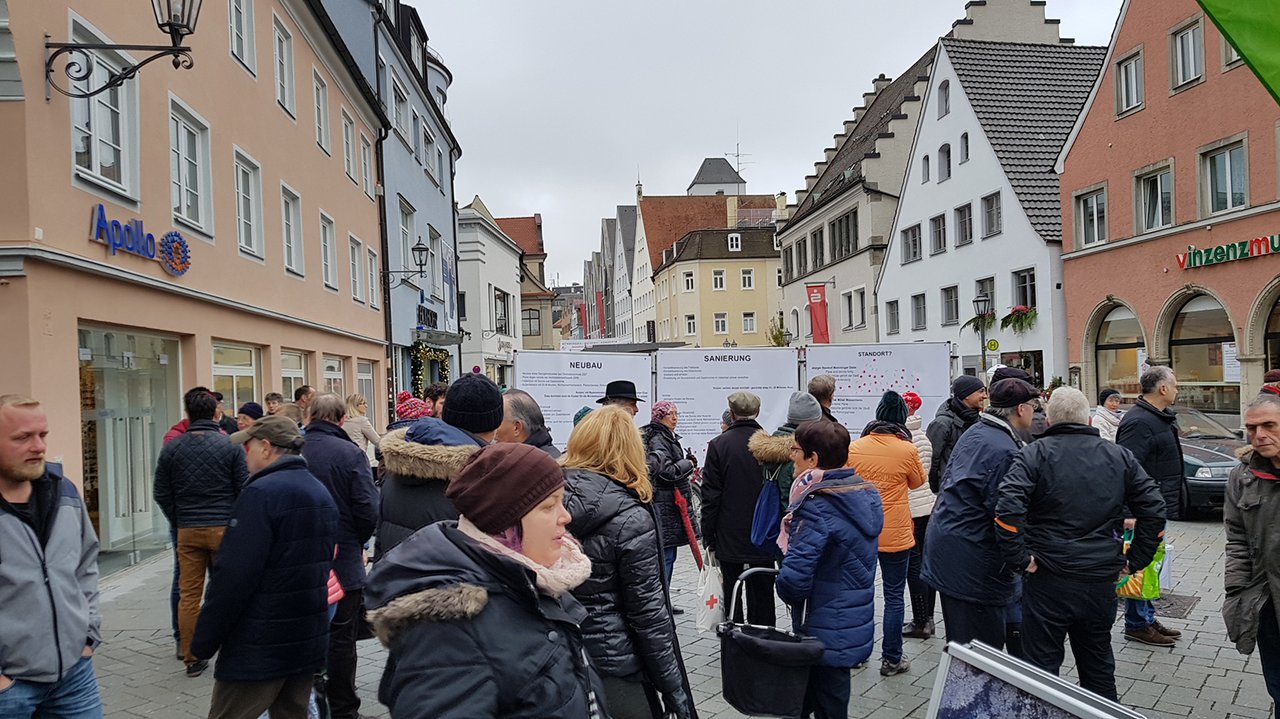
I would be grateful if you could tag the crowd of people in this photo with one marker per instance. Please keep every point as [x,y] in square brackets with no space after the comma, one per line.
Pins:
[510,579]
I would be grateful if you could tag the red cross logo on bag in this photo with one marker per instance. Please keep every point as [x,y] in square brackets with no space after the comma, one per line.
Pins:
[712,601]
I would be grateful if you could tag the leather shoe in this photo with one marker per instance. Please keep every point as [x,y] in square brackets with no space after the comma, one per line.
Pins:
[1149,635]
[1171,633]
[911,629]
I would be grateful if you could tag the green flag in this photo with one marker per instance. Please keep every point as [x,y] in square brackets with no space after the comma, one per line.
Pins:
[1252,27]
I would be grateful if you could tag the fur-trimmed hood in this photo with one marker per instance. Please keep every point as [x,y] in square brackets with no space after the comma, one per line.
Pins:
[414,462]
[771,449]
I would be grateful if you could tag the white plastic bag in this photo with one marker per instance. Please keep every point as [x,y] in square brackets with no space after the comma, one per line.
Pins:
[1166,569]
[710,595]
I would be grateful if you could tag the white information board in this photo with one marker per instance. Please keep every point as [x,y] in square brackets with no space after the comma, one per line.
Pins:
[565,382]
[865,372]
[701,380]
[1230,362]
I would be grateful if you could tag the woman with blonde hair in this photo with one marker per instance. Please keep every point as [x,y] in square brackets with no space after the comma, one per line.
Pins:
[629,630]
[357,423]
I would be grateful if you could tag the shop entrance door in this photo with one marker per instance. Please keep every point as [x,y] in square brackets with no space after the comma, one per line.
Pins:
[128,396]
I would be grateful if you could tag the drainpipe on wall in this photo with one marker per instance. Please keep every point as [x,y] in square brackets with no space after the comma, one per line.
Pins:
[380,196]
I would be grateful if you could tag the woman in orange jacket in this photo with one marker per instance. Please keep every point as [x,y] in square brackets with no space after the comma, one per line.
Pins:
[886,456]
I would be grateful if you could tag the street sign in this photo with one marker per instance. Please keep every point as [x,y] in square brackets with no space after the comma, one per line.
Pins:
[993,345]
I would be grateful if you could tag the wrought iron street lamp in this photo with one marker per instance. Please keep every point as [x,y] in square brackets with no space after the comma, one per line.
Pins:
[730,343]
[981,308]
[419,252]
[175,18]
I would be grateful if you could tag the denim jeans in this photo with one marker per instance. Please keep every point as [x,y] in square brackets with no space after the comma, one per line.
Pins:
[75,696]
[1269,650]
[828,692]
[893,574]
[669,561]
[1139,613]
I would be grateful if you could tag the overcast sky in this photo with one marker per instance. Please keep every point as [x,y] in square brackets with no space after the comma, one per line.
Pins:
[559,104]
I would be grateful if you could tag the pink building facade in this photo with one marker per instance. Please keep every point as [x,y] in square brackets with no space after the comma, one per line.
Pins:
[1172,215]
[210,226]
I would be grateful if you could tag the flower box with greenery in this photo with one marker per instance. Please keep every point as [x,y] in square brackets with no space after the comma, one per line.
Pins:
[1020,319]
[981,323]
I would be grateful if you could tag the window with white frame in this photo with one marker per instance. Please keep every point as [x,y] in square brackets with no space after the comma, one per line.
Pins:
[919,319]
[440,165]
[235,373]
[748,322]
[415,136]
[690,325]
[891,317]
[846,304]
[399,108]
[429,150]
[802,255]
[1024,288]
[944,163]
[950,305]
[321,91]
[356,248]
[332,368]
[781,278]
[291,229]
[1155,200]
[844,235]
[1188,55]
[944,98]
[717,280]
[367,389]
[501,311]
[462,306]
[938,234]
[240,19]
[721,323]
[1130,92]
[986,286]
[248,204]
[735,242]
[911,244]
[348,145]
[992,215]
[860,305]
[293,373]
[1228,183]
[1230,55]
[688,281]
[435,265]
[530,323]
[101,126]
[819,248]
[371,288]
[924,169]
[408,218]
[283,56]
[366,165]
[189,166]
[328,252]
[964,147]
[964,224]
[748,278]
[1092,213]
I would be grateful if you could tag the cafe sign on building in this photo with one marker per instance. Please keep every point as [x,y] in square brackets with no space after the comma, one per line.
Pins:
[1230,252]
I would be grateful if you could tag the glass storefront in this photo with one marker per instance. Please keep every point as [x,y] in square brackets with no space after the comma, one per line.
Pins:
[235,374]
[1273,338]
[1119,341]
[1202,347]
[128,399]
[292,373]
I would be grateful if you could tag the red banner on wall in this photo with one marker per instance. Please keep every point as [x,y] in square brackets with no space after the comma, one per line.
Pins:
[600,312]
[817,295]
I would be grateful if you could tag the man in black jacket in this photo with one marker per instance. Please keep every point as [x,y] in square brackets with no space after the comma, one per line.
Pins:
[955,415]
[1059,515]
[198,477]
[1150,431]
[823,389]
[523,423]
[343,468]
[731,482]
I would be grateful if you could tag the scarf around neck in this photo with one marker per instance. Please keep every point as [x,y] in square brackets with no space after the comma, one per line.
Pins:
[572,569]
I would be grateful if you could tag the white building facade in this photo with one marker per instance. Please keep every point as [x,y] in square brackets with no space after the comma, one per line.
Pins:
[489,297]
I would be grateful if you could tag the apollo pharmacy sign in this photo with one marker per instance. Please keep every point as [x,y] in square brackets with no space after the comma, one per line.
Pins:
[1230,252]
[171,250]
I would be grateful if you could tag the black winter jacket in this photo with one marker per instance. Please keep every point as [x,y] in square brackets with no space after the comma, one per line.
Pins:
[731,482]
[416,476]
[1063,502]
[266,613]
[542,440]
[669,472]
[1152,435]
[629,628]
[470,637]
[198,477]
[952,419]
[344,470]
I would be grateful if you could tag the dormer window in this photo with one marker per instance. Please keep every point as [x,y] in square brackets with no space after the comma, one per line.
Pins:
[735,242]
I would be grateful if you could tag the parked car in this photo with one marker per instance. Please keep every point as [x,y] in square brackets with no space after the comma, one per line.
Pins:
[1208,455]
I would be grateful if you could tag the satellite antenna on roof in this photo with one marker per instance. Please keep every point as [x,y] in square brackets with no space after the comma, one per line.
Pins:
[737,156]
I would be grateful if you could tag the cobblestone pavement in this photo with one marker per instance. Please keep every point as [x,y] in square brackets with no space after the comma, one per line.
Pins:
[1203,676]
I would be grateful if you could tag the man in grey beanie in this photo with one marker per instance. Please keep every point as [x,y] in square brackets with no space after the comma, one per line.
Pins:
[774,451]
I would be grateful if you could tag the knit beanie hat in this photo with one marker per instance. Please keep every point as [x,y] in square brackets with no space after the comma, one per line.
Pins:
[403,395]
[580,414]
[1104,394]
[1272,375]
[661,410]
[412,408]
[803,407]
[913,401]
[500,483]
[473,403]
[892,408]
[252,410]
[965,385]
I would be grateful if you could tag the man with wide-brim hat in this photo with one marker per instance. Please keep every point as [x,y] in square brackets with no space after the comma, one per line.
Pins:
[621,392]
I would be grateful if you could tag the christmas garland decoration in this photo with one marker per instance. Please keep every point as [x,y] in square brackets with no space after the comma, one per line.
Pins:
[421,356]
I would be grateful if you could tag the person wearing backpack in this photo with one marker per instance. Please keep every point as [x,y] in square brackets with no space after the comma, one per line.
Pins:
[774,451]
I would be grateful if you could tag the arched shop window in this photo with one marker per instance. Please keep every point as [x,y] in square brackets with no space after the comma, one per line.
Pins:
[1273,338]
[1202,347]
[1119,343]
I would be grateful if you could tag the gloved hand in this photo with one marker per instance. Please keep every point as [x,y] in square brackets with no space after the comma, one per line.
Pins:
[678,704]
[684,468]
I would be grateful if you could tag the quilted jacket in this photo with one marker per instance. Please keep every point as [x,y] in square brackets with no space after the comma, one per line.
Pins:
[921,498]
[669,471]
[198,477]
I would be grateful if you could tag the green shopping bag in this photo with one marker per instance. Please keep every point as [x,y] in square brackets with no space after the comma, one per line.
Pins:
[1144,583]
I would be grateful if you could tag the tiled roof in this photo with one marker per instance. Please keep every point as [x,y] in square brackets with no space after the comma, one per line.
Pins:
[845,169]
[717,171]
[627,228]
[525,231]
[1027,98]
[757,242]
[668,218]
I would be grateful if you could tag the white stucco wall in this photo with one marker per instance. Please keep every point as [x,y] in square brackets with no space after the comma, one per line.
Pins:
[487,260]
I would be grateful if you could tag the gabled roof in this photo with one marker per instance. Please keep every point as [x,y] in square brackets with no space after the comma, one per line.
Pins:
[757,243]
[668,218]
[1027,98]
[627,230]
[717,171]
[526,231]
[845,169]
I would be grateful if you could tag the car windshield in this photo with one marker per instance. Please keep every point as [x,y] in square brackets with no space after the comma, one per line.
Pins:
[1194,424]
